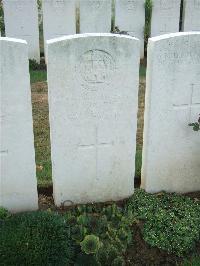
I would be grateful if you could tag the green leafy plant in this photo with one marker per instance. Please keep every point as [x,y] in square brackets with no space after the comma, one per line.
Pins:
[104,232]
[196,125]
[4,214]
[171,222]
[119,261]
[33,65]
[90,244]
[36,238]
[194,261]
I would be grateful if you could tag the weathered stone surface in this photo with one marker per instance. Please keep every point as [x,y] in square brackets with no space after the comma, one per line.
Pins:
[165,17]
[191,15]
[59,18]
[95,16]
[171,153]
[93,99]
[18,187]
[130,17]
[21,21]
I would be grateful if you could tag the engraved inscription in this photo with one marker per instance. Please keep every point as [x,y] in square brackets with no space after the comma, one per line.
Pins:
[96,66]
[191,103]
[58,5]
[19,6]
[166,5]
[131,5]
[95,4]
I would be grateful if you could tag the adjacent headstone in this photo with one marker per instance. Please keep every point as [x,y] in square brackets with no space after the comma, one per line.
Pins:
[95,16]
[21,21]
[191,15]
[93,98]
[18,186]
[59,18]
[171,152]
[130,17]
[165,17]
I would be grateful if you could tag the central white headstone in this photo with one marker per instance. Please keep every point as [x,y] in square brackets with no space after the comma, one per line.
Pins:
[165,17]
[191,15]
[171,152]
[21,21]
[95,16]
[18,185]
[130,17]
[93,99]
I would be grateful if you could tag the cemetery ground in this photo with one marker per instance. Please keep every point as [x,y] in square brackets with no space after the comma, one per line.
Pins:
[159,229]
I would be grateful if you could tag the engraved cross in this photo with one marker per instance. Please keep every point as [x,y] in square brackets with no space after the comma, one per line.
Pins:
[190,104]
[96,146]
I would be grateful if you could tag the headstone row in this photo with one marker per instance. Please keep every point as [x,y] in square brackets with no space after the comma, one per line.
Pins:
[60,18]
[93,84]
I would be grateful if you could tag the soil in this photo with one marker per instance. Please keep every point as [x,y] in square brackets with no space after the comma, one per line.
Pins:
[140,253]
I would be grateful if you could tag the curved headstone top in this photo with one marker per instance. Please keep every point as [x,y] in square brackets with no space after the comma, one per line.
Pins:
[14,40]
[93,82]
[173,35]
[91,35]
[171,148]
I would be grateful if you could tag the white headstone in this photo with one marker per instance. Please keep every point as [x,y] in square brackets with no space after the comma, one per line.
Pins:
[171,152]
[191,17]
[21,21]
[59,18]
[130,17]
[18,186]
[165,17]
[93,97]
[95,16]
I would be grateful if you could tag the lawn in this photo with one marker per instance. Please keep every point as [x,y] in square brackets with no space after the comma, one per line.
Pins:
[39,90]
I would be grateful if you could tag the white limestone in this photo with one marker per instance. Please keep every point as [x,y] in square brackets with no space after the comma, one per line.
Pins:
[21,21]
[18,188]
[93,99]
[171,152]
[191,15]
[59,18]
[130,17]
[95,16]
[165,17]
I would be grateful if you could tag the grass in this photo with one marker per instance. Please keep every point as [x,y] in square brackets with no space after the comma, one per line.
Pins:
[38,76]
[142,71]
[41,133]
[41,125]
